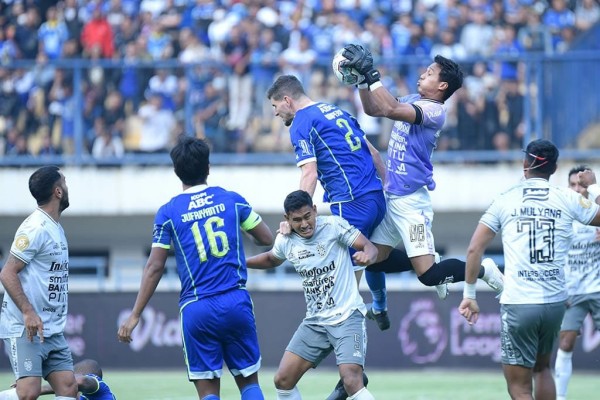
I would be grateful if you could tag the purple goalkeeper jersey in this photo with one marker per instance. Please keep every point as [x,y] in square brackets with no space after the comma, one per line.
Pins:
[410,147]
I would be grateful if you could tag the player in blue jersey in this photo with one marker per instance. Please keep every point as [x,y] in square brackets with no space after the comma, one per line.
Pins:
[409,172]
[204,225]
[89,382]
[332,148]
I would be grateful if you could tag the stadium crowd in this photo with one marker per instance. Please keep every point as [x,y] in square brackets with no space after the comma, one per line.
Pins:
[228,53]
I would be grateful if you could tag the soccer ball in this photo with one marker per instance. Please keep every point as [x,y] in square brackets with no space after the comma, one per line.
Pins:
[347,76]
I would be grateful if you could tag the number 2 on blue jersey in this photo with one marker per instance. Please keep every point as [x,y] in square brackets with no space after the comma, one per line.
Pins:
[351,138]
[212,235]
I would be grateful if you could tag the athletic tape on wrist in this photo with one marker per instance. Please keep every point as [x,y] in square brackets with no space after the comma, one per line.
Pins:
[469,290]
[375,85]
[593,191]
[363,85]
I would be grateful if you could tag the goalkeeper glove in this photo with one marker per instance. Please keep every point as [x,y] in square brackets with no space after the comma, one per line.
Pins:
[358,57]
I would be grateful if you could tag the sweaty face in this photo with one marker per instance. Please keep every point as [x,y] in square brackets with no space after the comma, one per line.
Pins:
[574,184]
[429,83]
[303,221]
[283,110]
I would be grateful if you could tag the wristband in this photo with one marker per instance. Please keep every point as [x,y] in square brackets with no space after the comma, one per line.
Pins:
[469,290]
[375,85]
[593,191]
[363,85]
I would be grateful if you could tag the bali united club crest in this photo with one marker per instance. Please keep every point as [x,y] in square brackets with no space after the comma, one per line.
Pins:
[321,249]
[28,364]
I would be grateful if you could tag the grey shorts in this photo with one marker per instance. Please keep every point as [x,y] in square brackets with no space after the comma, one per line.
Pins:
[36,358]
[348,340]
[529,330]
[580,306]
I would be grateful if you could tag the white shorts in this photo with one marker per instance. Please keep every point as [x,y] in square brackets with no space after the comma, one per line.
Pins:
[407,219]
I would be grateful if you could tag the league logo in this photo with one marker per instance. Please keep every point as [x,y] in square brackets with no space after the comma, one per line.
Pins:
[422,335]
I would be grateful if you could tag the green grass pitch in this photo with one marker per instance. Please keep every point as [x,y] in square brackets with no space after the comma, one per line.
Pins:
[429,384]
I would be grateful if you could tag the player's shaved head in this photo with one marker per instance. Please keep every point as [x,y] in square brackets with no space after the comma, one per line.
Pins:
[88,366]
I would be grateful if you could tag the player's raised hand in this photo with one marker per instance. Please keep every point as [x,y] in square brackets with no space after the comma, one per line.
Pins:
[124,333]
[358,57]
[33,325]
[284,228]
[469,309]
[586,178]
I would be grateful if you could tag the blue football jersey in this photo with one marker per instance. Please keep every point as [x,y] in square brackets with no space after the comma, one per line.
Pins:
[203,223]
[329,136]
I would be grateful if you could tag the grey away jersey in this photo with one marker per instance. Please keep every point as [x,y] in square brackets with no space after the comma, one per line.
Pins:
[583,267]
[324,264]
[41,244]
[536,220]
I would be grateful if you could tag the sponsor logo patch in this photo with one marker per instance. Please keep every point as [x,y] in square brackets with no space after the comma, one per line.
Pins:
[22,242]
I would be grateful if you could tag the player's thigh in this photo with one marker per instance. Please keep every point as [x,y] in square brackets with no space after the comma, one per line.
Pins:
[57,367]
[239,338]
[575,313]
[594,307]
[218,328]
[364,213]
[409,219]
[349,339]
[529,330]
[310,342]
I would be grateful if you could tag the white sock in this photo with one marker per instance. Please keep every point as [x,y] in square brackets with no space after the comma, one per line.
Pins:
[562,372]
[362,394]
[293,394]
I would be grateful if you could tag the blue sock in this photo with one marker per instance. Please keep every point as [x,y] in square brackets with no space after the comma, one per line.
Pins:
[252,392]
[376,282]
[211,397]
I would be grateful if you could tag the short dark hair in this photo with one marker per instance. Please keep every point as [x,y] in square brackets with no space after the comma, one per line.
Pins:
[542,155]
[190,158]
[296,200]
[451,73]
[42,183]
[88,366]
[286,85]
[577,169]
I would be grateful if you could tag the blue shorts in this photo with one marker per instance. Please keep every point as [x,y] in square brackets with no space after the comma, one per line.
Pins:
[365,213]
[220,328]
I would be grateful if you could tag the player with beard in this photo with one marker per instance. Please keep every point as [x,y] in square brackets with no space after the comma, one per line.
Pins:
[36,277]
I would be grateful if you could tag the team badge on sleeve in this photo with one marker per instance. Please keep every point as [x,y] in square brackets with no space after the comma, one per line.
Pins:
[22,242]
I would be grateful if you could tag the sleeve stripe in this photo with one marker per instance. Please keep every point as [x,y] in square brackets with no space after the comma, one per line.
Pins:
[162,246]
[252,221]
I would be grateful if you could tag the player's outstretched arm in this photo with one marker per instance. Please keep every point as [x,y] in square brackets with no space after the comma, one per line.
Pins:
[481,238]
[264,260]
[366,253]
[308,178]
[153,272]
[261,234]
